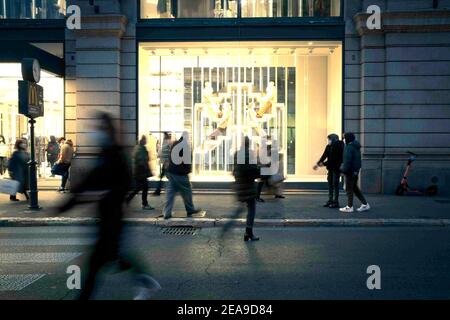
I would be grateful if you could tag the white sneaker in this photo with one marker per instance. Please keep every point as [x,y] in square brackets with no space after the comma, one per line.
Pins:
[346,209]
[364,207]
[149,287]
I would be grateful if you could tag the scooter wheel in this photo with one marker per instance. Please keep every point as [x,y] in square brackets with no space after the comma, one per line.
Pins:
[400,190]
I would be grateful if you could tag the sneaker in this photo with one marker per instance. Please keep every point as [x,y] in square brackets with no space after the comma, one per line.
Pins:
[346,209]
[280,197]
[197,214]
[364,207]
[259,199]
[147,207]
[149,286]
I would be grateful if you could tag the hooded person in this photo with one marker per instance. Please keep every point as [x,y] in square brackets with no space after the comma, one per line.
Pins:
[350,169]
[332,160]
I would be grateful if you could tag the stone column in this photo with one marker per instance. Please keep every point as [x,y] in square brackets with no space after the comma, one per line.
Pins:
[97,70]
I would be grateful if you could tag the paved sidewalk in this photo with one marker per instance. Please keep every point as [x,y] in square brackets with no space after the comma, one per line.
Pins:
[299,208]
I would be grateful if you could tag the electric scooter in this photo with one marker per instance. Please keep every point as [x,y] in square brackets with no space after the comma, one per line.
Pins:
[403,188]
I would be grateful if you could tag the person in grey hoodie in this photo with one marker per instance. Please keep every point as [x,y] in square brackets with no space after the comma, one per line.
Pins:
[350,169]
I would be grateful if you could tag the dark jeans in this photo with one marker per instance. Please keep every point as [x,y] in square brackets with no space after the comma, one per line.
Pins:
[251,212]
[161,176]
[264,181]
[333,185]
[3,165]
[65,177]
[351,188]
[140,185]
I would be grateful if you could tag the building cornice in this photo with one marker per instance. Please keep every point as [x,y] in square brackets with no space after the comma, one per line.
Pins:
[406,21]
[111,25]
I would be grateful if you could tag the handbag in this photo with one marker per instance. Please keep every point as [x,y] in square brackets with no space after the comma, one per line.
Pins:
[9,186]
[59,169]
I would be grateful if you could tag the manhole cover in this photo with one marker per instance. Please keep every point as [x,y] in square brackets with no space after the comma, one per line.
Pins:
[180,231]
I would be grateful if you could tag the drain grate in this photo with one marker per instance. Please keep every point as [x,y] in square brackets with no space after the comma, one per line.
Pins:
[180,231]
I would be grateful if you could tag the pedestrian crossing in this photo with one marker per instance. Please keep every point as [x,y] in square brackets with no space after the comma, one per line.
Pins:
[30,254]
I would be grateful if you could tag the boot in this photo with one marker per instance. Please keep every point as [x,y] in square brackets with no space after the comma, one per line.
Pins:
[13,198]
[249,235]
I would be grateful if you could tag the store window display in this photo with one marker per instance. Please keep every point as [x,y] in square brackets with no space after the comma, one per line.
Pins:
[282,93]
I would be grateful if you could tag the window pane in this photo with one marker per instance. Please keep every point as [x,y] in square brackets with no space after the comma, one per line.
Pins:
[159,9]
[290,8]
[32,9]
[289,93]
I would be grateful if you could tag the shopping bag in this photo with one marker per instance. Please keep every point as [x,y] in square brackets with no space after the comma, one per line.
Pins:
[59,169]
[8,186]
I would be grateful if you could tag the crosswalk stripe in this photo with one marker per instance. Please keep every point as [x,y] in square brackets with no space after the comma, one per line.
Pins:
[48,230]
[33,242]
[38,257]
[17,282]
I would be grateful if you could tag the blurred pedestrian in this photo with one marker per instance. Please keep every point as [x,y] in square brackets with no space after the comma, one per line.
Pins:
[178,175]
[350,168]
[263,178]
[164,156]
[245,173]
[3,155]
[65,161]
[112,177]
[141,172]
[52,150]
[332,160]
[18,168]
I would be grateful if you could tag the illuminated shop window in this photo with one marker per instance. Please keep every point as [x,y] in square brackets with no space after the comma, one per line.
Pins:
[15,126]
[289,93]
[229,8]
[32,9]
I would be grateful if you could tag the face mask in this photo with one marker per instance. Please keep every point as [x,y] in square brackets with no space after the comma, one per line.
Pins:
[329,142]
[344,140]
[23,146]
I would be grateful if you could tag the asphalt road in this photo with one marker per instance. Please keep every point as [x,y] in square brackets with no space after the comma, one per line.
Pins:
[288,263]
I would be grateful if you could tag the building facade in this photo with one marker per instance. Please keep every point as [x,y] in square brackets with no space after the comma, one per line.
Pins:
[292,71]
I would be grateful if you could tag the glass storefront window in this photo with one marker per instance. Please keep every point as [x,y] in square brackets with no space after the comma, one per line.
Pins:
[188,9]
[32,9]
[158,9]
[14,126]
[290,8]
[287,92]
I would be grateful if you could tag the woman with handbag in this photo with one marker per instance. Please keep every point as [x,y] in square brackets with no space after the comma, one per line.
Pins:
[18,167]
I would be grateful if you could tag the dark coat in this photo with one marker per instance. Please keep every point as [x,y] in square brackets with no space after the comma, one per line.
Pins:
[181,169]
[18,169]
[245,175]
[141,168]
[333,155]
[52,151]
[352,158]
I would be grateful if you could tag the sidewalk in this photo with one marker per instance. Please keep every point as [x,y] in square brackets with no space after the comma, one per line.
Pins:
[300,208]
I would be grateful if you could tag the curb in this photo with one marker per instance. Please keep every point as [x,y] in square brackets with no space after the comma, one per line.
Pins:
[220,222]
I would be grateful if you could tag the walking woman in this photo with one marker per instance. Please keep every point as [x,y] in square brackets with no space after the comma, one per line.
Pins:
[245,174]
[52,150]
[18,167]
[3,155]
[141,171]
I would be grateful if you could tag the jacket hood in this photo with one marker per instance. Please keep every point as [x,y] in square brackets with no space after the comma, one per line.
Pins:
[333,137]
[349,137]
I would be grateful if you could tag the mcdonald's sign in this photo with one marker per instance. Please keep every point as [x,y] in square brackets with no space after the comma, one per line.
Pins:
[31,99]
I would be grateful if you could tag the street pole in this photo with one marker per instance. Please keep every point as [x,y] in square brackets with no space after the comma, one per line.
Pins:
[34,205]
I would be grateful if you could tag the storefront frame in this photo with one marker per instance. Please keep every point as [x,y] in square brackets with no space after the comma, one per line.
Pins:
[244,29]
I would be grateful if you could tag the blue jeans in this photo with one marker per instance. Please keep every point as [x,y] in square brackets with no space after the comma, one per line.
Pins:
[181,184]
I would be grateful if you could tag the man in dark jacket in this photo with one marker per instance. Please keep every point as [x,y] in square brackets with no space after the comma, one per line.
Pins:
[141,171]
[332,160]
[350,168]
[180,166]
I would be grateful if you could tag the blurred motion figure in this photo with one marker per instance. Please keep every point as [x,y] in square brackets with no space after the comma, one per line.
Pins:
[112,178]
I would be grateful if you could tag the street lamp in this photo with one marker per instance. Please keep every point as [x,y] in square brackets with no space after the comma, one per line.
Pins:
[31,105]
